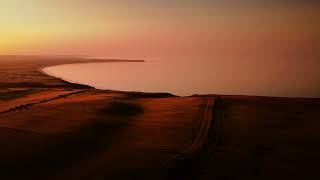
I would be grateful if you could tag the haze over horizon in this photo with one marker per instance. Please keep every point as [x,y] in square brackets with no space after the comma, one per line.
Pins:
[248,44]
[159,89]
[160,29]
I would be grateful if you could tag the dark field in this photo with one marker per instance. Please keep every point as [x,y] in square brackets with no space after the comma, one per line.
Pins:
[52,129]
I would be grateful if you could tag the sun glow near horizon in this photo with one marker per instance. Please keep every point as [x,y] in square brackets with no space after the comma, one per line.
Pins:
[153,28]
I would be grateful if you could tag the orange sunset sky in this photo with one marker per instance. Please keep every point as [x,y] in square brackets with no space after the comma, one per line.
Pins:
[149,28]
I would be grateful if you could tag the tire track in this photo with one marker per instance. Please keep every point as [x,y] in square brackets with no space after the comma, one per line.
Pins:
[202,132]
[179,163]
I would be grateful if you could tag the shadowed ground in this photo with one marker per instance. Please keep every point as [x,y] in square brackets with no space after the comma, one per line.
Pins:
[261,138]
[51,129]
[97,134]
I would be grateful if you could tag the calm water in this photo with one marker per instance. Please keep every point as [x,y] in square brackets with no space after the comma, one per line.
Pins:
[185,78]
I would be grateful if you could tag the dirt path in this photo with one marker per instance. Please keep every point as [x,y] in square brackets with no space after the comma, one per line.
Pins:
[203,130]
[29,105]
[183,164]
[201,133]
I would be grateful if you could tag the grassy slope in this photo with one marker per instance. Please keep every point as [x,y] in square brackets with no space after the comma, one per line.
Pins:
[87,135]
[252,137]
[262,138]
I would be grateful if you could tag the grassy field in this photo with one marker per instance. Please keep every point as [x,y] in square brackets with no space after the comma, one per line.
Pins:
[14,94]
[52,129]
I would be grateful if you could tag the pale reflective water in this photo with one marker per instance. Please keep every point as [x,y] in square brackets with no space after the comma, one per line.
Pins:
[207,77]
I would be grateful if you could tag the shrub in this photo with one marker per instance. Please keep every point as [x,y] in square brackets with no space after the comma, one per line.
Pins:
[123,108]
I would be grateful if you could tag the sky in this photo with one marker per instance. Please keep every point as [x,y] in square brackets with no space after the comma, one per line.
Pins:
[265,45]
[146,29]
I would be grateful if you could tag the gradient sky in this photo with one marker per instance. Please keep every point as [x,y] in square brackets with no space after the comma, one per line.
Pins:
[147,29]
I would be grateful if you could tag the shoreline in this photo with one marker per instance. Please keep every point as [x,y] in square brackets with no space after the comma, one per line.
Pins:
[43,69]
[27,71]
[47,73]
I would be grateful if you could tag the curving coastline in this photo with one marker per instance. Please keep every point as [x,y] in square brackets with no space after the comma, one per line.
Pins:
[46,71]
[68,81]
[26,71]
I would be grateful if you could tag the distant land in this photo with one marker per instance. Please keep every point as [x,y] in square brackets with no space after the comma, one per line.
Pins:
[53,129]
[21,71]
